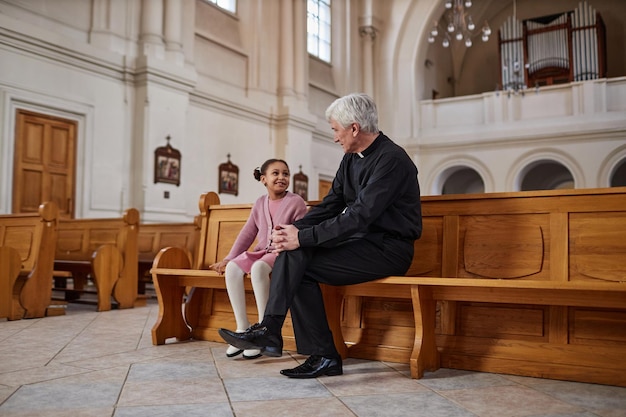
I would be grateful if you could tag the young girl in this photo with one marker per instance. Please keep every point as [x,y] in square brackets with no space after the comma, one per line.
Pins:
[279,206]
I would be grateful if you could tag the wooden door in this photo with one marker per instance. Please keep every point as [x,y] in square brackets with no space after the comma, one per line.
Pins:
[44,163]
[323,188]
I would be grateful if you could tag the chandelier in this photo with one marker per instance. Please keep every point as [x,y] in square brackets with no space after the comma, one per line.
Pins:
[458,25]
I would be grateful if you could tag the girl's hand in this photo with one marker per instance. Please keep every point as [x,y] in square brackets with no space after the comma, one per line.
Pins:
[219,267]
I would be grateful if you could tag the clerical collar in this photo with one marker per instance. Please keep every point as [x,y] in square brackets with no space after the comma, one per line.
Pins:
[372,147]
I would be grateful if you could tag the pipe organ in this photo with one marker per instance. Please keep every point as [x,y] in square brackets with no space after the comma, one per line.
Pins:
[561,48]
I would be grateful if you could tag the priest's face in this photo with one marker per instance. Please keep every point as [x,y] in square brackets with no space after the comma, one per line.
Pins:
[346,136]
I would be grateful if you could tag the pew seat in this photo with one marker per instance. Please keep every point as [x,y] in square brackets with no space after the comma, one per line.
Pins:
[425,292]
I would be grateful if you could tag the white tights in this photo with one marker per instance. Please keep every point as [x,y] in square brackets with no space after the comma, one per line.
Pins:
[260,276]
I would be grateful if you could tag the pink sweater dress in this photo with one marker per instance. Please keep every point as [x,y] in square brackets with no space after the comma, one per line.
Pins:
[259,226]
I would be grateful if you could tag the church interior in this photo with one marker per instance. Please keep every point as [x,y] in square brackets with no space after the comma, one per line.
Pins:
[133,111]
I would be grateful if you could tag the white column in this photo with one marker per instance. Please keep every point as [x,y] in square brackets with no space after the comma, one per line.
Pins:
[99,16]
[173,30]
[367,32]
[152,27]
[103,32]
[286,77]
[301,60]
[368,35]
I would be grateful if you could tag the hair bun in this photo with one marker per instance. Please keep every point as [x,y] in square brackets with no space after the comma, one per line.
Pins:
[257,173]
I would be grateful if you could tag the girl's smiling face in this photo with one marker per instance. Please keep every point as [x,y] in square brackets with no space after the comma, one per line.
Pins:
[276,179]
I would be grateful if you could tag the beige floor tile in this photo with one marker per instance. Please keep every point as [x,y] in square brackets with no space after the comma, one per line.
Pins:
[239,367]
[81,412]
[6,392]
[104,365]
[172,391]
[509,401]
[364,382]
[38,374]
[307,407]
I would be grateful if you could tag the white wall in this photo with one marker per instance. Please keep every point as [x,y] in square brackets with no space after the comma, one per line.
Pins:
[243,85]
[128,97]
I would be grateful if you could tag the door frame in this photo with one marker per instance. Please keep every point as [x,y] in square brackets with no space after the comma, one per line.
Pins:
[45,105]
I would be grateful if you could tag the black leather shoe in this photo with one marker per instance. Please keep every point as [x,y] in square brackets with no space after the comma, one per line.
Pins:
[256,336]
[315,366]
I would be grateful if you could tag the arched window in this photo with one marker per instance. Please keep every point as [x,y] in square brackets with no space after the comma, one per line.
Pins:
[318,28]
[463,181]
[618,178]
[547,175]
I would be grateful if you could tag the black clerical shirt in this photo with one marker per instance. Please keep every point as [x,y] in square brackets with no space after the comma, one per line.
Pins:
[375,194]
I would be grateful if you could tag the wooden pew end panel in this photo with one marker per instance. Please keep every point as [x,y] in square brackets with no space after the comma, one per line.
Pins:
[107,264]
[12,282]
[170,295]
[25,281]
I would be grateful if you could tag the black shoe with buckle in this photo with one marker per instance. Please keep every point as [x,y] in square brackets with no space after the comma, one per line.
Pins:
[256,336]
[316,366]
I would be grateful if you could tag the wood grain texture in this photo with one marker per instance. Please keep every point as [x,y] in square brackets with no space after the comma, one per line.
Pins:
[26,285]
[80,241]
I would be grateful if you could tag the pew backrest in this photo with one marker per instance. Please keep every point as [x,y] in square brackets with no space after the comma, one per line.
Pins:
[219,227]
[155,236]
[80,239]
[565,235]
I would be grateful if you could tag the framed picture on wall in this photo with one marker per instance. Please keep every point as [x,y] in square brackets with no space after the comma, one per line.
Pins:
[167,164]
[301,184]
[228,177]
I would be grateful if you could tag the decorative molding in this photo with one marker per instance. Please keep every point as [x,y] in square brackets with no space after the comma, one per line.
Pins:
[97,61]
[368,31]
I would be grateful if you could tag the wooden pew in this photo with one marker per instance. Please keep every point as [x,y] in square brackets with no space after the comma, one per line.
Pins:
[527,283]
[27,243]
[190,282]
[104,248]
[155,236]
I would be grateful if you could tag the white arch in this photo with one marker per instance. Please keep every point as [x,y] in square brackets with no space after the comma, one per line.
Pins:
[610,164]
[437,178]
[401,78]
[526,161]
[403,51]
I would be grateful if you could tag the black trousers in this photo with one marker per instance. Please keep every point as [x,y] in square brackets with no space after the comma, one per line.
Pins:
[296,276]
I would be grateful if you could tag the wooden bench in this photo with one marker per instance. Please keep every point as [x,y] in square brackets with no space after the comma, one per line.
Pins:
[105,249]
[424,292]
[178,280]
[527,283]
[27,243]
[155,236]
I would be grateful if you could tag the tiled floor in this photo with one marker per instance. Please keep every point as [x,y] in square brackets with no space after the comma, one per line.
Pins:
[103,364]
